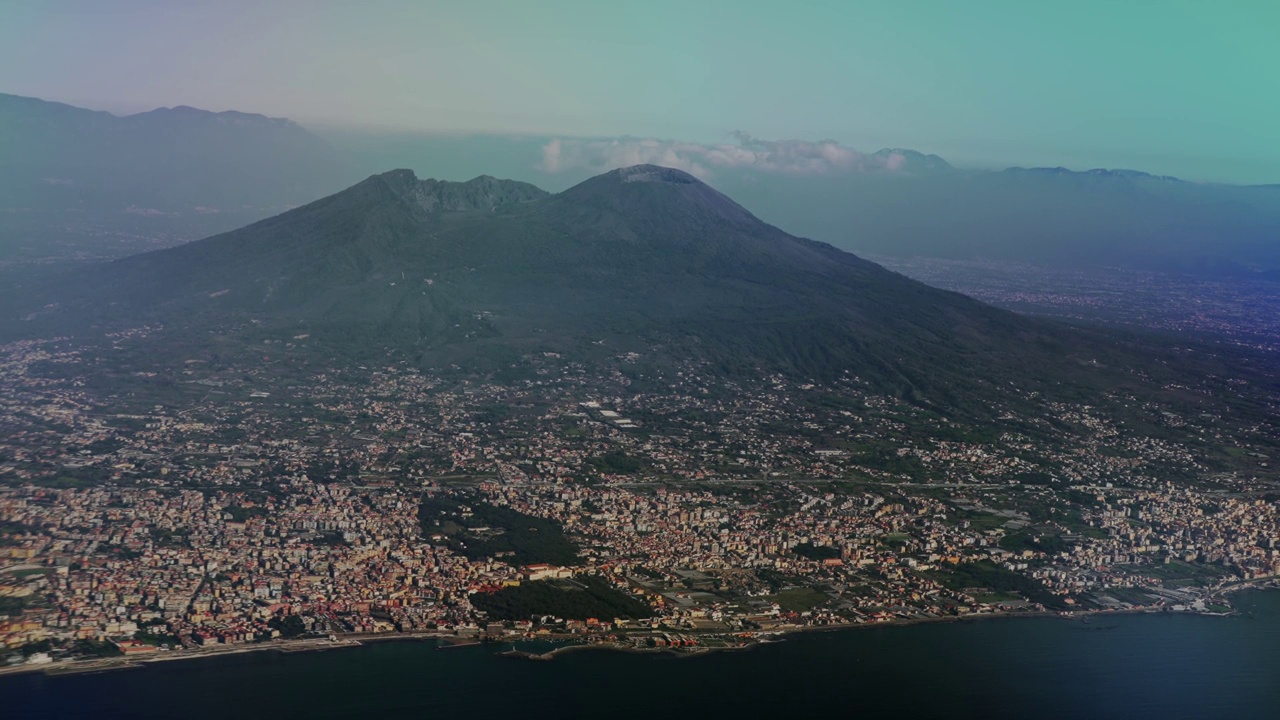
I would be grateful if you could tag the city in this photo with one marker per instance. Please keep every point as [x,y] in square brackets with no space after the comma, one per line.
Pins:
[210,508]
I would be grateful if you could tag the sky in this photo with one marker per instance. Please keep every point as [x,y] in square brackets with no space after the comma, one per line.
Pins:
[1166,86]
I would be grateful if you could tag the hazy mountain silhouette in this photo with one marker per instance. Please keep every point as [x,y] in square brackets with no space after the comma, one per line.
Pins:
[1054,215]
[168,160]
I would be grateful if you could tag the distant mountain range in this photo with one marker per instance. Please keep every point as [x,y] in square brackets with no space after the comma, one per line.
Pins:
[1094,217]
[76,181]
[167,160]
[644,260]
[175,174]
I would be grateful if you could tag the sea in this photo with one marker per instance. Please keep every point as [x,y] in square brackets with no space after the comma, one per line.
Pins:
[1131,666]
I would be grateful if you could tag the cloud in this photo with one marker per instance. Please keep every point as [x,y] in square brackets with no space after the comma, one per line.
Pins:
[572,154]
[895,161]
[551,161]
[799,157]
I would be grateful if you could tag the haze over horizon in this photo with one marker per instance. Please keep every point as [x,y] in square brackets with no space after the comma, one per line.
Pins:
[1162,89]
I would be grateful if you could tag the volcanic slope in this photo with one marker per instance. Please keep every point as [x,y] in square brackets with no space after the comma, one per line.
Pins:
[642,259]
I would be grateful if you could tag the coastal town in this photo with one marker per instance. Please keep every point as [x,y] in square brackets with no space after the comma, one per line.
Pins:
[213,505]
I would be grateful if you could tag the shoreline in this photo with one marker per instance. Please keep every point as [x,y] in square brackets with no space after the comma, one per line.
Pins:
[768,637]
[449,641]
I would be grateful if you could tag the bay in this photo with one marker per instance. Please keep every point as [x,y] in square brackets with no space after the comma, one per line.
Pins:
[1120,666]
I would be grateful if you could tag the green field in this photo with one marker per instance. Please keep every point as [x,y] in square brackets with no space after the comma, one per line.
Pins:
[522,539]
[798,599]
[1177,573]
[579,599]
[29,572]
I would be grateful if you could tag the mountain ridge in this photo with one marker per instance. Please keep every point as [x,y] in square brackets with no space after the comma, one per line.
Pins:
[9,100]
[166,161]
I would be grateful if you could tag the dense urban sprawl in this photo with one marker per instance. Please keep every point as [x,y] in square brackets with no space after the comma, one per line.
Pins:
[237,505]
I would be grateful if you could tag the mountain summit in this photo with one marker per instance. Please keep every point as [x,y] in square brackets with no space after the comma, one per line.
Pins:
[647,190]
[480,193]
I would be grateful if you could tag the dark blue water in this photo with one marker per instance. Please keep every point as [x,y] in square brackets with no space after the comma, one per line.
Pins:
[1136,666]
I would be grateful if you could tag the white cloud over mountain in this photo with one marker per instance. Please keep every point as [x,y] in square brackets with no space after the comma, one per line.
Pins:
[800,157]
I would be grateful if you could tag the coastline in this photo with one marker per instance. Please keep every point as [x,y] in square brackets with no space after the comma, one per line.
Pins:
[450,640]
[780,634]
[285,647]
